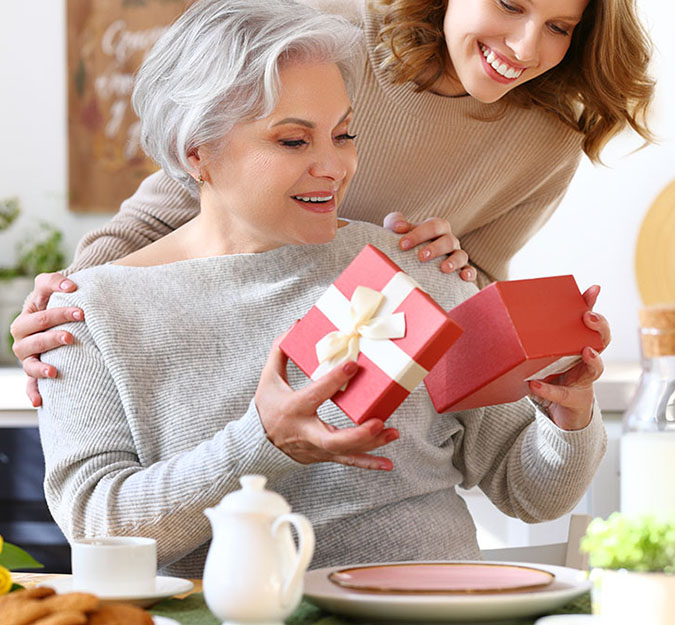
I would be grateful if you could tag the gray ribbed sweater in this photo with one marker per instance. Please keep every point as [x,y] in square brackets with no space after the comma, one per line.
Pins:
[497,182]
[151,419]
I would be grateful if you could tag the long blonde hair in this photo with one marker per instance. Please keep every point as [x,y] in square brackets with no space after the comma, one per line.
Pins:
[600,87]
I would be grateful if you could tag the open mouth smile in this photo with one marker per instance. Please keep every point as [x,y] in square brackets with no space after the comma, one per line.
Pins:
[499,65]
[316,202]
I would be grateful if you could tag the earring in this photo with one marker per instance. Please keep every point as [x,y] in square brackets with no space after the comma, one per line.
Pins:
[200,181]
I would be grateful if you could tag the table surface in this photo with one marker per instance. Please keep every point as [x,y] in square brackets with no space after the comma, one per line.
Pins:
[190,608]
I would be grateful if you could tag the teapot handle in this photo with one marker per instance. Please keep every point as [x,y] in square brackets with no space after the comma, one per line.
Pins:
[304,553]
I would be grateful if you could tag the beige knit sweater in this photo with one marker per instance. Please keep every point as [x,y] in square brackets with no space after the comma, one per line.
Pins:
[497,182]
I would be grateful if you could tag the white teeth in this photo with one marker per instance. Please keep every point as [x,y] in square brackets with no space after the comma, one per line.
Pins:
[315,200]
[499,67]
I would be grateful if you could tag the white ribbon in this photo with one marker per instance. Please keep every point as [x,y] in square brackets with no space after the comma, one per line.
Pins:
[366,324]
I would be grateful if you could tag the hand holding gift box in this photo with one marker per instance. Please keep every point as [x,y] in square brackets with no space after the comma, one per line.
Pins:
[514,332]
[378,316]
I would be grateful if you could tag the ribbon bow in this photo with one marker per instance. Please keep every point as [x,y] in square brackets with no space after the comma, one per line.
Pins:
[343,345]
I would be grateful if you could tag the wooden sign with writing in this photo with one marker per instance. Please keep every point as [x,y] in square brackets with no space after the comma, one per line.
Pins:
[107,41]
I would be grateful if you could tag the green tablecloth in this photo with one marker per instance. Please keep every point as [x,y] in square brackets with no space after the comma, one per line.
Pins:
[193,611]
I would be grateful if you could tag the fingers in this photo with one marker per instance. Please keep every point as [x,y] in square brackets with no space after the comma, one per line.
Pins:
[39,343]
[468,274]
[317,392]
[45,285]
[365,461]
[29,323]
[396,222]
[597,322]
[35,368]
[361,438]
[274,370]
[445,244]
[33,393]
[349,445]
[591,296]
[430,230]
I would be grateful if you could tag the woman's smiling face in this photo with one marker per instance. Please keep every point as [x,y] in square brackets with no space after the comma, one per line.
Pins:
[496,45]
[279,180]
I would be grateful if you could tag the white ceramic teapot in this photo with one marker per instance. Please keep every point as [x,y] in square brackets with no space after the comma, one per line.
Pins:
[253,572]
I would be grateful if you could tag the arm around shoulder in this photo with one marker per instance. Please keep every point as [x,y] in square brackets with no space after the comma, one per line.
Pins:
[159,206]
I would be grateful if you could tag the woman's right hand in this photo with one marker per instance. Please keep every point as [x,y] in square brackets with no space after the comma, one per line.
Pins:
[31,329]
[292,424]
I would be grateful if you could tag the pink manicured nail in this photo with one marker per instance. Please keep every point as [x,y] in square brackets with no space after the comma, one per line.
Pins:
[400,224]
[536,384]
[594,316]
[406,244]
[77,315]
[66,284]
[594,354]
[350,367]
[426,254]
[376,428]
[391,436]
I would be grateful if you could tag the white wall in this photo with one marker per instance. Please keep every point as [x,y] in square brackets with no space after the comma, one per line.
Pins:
[33,114]
[592,234]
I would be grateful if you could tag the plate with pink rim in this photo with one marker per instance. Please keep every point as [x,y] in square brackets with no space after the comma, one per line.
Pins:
[450,591]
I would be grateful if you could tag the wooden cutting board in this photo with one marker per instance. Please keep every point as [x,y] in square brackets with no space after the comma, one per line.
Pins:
[655,250]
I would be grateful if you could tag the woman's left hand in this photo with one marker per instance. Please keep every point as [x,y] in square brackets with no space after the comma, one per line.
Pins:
[570,399]
[439,239]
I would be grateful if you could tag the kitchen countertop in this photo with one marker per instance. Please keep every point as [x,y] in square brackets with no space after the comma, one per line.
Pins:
[614,391]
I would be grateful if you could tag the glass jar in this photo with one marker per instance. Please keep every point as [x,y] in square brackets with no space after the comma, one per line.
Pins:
[648,440]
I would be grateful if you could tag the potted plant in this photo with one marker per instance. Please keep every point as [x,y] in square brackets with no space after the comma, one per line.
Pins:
[37,253]
[633,569]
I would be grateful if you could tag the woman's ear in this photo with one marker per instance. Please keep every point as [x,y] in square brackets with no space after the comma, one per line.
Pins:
[196,163]
[196,158]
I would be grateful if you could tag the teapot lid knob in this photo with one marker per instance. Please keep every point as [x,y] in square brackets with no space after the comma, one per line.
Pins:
[254,498]
[253,482]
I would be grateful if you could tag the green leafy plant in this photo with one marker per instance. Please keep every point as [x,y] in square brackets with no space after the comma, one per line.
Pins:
[641,543]
[9,211]
[40,252]
[12,557]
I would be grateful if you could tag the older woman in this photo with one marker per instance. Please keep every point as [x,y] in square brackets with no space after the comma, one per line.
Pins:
[142,431]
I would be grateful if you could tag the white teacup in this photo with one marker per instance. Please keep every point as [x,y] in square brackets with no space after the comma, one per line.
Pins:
[114,566]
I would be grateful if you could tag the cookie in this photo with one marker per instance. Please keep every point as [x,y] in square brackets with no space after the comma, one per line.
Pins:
[37,592]
[63,617]
[120,614]
[22,612]
[76,601]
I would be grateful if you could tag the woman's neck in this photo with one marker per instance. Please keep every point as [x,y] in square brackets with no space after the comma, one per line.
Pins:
[208,234]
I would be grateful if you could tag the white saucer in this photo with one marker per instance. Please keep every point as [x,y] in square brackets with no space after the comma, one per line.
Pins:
[165,587]
[164,620]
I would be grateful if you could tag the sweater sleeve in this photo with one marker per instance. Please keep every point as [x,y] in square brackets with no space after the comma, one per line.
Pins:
[528,467]
[95,483]
[159,206]
[491,246]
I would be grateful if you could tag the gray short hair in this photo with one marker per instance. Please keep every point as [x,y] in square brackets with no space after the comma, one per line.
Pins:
[218,64]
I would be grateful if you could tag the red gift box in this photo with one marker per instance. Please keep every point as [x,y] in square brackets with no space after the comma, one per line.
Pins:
[514,331]
[389,368]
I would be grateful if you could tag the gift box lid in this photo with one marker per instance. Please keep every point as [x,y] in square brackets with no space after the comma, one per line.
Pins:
[513,331]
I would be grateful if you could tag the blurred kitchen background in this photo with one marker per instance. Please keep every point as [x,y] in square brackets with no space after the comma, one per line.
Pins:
[593,236]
